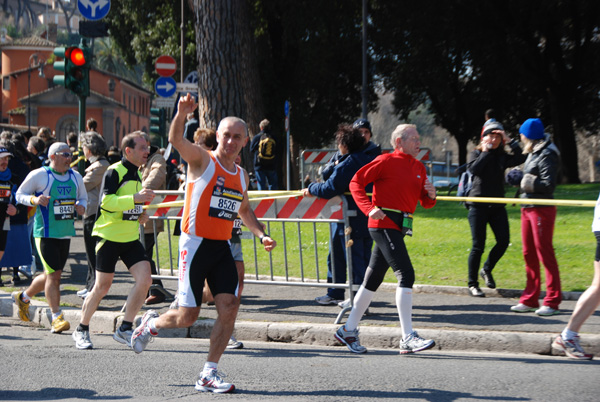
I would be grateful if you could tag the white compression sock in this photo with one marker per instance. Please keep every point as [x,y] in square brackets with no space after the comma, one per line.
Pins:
[568,334]
[362,300]
[404,304]
[208,366]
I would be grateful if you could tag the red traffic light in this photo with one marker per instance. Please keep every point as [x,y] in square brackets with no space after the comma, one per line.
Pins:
[77,57]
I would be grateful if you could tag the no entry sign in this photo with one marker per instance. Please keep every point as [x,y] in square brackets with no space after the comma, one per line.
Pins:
[165,66]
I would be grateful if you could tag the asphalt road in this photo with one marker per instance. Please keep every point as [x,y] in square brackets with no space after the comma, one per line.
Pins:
[37,365]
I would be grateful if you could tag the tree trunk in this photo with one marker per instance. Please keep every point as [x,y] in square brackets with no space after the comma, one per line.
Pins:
[564,135]
[227,71]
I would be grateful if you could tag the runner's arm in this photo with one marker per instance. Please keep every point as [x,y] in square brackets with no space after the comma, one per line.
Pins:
[193,154]
[252,223]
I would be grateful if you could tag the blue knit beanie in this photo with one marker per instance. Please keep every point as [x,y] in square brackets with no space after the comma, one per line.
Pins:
[533,129]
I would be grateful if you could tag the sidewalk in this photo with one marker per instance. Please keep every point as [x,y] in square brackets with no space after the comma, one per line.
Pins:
[448,315]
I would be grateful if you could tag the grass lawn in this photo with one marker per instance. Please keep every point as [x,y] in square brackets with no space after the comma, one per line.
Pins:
[439,248]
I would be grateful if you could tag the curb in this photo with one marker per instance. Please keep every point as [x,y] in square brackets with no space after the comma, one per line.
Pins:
[322,334]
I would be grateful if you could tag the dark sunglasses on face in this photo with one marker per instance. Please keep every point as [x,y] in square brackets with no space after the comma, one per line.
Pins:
[64,154]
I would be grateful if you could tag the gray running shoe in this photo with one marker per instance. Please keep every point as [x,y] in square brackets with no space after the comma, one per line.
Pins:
[234,344]
[571,348]
[82,339]
[327,300]
[350,339]
[123,337]
[213,382]
[414,343]
[142,335]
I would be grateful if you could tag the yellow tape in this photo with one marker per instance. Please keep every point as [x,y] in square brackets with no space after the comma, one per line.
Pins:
[164,205]
[528,201]
[260,195]
[76,161]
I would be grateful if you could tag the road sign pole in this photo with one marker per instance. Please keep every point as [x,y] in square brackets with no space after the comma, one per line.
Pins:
[288,156]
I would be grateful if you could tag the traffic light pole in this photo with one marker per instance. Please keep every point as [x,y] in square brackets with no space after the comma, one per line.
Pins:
[81,164]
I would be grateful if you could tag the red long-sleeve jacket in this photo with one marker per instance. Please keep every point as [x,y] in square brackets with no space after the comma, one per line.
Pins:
[398,183]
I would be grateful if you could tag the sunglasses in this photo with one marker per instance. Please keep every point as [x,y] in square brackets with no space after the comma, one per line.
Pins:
[64,154]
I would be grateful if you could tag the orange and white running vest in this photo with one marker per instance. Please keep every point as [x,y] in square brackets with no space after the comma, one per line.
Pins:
[212,202]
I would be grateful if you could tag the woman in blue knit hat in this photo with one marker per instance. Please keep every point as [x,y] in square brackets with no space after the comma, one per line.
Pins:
[537,221]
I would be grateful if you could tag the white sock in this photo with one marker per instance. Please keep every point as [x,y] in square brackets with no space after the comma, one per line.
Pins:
[152,325]
[404,304]
[54,315]
[25,297]
[568,334]
[362,300]
[208,366]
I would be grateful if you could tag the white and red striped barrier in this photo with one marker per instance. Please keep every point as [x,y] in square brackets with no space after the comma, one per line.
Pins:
[266,204]
[320,156]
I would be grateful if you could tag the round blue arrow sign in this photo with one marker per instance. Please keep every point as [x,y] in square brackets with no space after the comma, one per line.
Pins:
[165,87]
[93,9]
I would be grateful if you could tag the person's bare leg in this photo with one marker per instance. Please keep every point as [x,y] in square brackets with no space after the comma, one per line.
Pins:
[52,291]
[137,296]
[588,302]
[92,301]
[227,308]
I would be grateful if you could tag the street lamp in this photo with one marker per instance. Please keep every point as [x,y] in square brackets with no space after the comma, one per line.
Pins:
[34,62]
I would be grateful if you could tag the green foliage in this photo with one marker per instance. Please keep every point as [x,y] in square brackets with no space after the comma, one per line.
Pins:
[310,53]
[523,59]
[146,29]
[108,58]
[439,248]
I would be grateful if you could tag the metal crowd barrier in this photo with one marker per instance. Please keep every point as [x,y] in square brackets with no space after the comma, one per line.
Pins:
[271,208]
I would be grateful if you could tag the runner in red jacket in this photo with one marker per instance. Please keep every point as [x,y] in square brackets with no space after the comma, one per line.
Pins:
[399,182]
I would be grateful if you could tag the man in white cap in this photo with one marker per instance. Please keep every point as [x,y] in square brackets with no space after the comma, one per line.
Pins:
[60,193]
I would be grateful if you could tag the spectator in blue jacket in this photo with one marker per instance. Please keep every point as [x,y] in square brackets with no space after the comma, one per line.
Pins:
[351,145]
[370,148]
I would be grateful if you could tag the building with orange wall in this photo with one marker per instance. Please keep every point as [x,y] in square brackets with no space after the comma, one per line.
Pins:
[30,99]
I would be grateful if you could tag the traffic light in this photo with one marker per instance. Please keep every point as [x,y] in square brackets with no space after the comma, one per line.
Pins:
[76,68]
[157,121]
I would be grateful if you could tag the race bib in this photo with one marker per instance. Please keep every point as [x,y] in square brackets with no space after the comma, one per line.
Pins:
[225,203]
[64,209]
[5,193]
[237,227]
[407,223]
[134,213]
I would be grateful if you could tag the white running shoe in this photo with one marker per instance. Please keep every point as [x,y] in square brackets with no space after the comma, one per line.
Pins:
[344,304]
[571,348]
[83,293]
[414,343]
[350,339]
[234,343]
[142,335]
[546,311]
[213,382]
[82,339]
[522,308]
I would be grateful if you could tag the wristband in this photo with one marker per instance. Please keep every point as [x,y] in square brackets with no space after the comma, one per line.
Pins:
[263,236]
